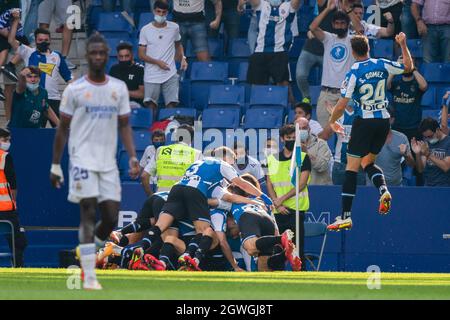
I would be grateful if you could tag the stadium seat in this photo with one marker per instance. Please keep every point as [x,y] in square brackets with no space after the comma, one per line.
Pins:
[203,75]
[436,72]
[245,22]
[113,22]
[226,96]
[315,229]
[429,98]
[141,118]
[141,139]
[238,48]
[242,72]
[264,118]
[261,96]
[169,112]
[145,18]
[216,48]
[7,228]
[382,49]
[440,92]
[415,47]
[221,118]
[435,114]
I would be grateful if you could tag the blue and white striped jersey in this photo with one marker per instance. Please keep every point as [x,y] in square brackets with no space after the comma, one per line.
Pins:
[163,195]
[206,174]
[365,83]
[274,27]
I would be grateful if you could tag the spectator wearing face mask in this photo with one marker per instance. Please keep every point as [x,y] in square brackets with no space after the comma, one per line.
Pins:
[130,72]
[433,154]
[247,164]
[8,190]
[270,148]
[337,57]
[318,151]
[281,190]
[30,107]
[52,64]
[149,159]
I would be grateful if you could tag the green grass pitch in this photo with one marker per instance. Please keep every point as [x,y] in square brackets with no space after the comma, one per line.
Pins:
[123,284]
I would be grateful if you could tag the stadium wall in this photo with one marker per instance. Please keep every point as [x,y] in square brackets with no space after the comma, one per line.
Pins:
[409,239]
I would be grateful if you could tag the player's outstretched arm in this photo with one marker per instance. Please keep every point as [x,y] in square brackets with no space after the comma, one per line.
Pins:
[127,140]
[61,136]
[407,59]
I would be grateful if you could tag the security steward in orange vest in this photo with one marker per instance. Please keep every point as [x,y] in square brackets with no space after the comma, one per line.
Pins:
[8,197]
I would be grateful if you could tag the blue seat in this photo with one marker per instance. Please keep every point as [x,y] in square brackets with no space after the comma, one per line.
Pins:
[185,94]
[264,118]
[291,116]
[169,112]
[382,48]
[226,95]
[141,118]
[113,22]
[429,98]
[238,48]
[221,118]
[215,49]
[145,18]
[436,72]
[268,96]
[114,42]
[203,75]
[415,47]
[7,228]
[242,72]
[142,139]
[435,114]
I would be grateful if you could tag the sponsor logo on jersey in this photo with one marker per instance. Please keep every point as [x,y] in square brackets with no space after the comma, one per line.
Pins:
[47,68]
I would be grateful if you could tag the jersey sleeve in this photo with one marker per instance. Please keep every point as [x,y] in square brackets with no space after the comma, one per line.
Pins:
[178,34]
[393,67]
[150,168]
[218,193]
[218,221]
[227,171]
[327,37]
[67,105]
[64,70]
[142,37]
[348,85]
[124,101]
[306,164]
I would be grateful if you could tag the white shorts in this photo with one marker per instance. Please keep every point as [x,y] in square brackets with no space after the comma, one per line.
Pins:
[84,184]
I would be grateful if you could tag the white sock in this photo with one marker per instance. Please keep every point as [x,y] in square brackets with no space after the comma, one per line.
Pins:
[88,259]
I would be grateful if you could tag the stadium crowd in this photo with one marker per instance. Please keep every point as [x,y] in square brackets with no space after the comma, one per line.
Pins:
[155,58]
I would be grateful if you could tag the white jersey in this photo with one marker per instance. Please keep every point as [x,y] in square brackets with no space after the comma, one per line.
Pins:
[189,6]
[252,167]
[337,59]
[370,30]
[160,45]
[94,109]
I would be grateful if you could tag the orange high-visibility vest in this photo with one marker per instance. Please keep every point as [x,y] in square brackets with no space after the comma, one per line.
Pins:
[6,201]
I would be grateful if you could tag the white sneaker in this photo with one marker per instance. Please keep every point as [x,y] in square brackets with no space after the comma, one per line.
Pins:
[92,285]
[340,224]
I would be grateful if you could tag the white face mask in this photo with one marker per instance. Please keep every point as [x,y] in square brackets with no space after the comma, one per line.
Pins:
[304,134]
[33,86]
[270,151]
[160,19]
[5,146]
[275,3]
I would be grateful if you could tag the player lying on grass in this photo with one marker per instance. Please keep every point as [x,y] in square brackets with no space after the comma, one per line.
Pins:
[132,255]
[259,233]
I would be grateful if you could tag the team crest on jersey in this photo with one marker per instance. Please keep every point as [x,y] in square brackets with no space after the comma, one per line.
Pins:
[114,96]
[78,186]
[88,95]
[339,52]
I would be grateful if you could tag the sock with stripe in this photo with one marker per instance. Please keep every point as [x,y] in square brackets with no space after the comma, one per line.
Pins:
[348,193]
[203,247]
[375,174]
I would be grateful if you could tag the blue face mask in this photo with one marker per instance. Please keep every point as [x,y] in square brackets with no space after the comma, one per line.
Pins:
[160,19]
[158,144]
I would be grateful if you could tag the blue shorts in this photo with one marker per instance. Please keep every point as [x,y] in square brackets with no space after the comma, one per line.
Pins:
[196,32]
